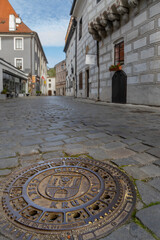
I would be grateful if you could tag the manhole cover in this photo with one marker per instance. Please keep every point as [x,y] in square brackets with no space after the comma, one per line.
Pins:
[69,198]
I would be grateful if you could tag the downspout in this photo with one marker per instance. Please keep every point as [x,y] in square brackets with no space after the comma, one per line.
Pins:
[98,95]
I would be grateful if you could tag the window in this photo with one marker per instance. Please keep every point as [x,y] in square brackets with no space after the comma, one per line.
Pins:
[19,63]
[119,53]
[80,28]
[18,43]
[35,47]
[98,1]
[80,81]
[0,44]
[49,80]
[36,66]
[49,85]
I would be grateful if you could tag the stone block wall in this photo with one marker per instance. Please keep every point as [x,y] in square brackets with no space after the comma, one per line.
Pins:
[141,35]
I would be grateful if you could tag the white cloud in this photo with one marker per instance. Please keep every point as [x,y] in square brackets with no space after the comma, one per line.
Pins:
[52,32]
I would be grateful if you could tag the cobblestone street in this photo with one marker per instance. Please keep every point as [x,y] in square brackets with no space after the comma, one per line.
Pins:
[36,129]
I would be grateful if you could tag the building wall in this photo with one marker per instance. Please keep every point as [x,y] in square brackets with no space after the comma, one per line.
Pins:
[4,66]
[70,66]
[61,78]
[141,35]
[8,53]
[51,88]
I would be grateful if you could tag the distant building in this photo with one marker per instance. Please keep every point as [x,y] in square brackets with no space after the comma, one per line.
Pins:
[21,47]
[69,49]
[109,32]
[51,86]
[61,78]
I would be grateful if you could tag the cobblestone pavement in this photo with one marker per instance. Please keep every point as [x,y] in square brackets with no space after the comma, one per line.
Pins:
[41,128]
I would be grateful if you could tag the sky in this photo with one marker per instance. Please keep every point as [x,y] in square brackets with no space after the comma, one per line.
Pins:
[50,19]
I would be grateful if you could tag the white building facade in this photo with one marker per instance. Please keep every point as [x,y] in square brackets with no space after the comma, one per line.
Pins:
[70,51]
[51,86]
[113,31]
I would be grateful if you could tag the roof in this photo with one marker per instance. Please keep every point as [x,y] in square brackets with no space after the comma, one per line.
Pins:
[70,32]
[5,10]
[73,5]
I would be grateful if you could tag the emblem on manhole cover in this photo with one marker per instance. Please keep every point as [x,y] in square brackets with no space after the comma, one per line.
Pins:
[71,198]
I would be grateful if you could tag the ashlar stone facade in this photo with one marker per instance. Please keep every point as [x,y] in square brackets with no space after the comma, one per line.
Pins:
[101,27]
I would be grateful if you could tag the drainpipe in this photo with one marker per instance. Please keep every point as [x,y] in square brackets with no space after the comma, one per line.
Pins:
[98,99]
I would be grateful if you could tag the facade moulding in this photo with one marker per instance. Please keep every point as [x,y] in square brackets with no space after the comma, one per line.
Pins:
[109,20]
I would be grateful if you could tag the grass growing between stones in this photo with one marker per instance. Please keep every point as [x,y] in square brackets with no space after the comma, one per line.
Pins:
[152,204]
[138,222]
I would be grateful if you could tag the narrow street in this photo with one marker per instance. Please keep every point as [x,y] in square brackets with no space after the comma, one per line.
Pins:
[37,129]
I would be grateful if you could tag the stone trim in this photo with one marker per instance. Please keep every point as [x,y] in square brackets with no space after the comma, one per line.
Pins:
[109,20]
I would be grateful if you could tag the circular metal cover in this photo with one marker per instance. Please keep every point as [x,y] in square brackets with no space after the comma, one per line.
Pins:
[70,198]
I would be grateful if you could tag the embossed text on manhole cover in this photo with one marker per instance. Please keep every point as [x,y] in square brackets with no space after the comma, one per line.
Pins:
[71,198]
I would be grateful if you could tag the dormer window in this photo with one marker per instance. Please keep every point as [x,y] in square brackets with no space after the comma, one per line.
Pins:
[18,43]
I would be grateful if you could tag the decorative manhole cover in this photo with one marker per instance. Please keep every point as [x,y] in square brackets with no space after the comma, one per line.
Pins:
[71,198]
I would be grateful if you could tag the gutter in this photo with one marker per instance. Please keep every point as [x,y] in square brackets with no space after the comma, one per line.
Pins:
[73,6]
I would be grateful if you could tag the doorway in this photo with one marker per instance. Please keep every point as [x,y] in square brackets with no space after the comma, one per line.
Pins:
[87,83]
[49,93]
[119,87]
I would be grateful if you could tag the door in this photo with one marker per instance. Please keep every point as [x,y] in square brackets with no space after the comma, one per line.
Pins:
[87,82]
[119,87]
[49,93]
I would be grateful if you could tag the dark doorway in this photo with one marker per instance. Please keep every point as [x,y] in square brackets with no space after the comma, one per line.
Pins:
[87,82]
[119,87]
[49,93]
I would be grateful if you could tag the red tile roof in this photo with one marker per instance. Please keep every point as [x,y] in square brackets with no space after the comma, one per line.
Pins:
[5,10]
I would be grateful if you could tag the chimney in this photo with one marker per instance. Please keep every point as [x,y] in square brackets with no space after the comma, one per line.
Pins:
[12,23]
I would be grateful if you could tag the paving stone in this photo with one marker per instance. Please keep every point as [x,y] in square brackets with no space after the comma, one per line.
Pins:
[148,193]
[150,217]
[75,140]
[125,161]
[155,183]
[28,150]
[139,148]
[139,205]
[51,144]
[155,152]
[130,141]
[119,153]
[56,138]
[129,232]
[98,154]
[31,142]
[5,172]
[51,149]
[135,172]
[75,149]
[144,158]
[3,238]
[8,163]
[51,155]
[151,170]
[97,135]
[7,154]
[113,145]
[157,162]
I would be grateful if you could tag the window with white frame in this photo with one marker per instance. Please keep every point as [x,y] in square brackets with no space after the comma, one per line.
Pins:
[50,85]
[18,43]
[35,47]
[0,44]
[19,63]
[36,66]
